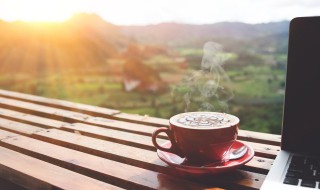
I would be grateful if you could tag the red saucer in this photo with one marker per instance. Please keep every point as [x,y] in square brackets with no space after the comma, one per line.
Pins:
[182,164]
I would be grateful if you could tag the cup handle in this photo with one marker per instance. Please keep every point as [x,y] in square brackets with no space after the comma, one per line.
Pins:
[173,149]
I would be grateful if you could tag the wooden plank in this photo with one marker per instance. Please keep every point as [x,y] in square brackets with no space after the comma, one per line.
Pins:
[70,116]
[145,119]
[17,127]
[110,150]
[7,185]
[122,137]
[40,110]
[123,126]
[240,180]
[117,173]
[264,150]
[58,113]
[117,152]
[89,130]
[32,173]
[258,137]
[59,103]
[7,134]
[267,150]
[145,142]
[258,164]
[30,119]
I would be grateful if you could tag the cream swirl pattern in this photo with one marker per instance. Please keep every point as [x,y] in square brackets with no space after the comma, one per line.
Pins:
[200,119]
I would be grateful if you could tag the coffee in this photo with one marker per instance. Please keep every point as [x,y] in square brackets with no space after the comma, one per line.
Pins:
[204,120]
[200,137]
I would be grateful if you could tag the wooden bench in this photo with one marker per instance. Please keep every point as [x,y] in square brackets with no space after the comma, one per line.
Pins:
[54,144]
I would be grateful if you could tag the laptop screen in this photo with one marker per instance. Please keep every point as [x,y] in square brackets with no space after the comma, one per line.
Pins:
[301,121]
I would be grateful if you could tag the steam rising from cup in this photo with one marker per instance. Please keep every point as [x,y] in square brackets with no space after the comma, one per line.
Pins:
[207,89]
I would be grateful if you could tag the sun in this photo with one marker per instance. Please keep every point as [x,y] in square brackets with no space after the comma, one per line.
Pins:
[40,10]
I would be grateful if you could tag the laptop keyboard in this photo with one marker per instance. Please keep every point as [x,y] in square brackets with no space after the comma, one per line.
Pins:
[303,171]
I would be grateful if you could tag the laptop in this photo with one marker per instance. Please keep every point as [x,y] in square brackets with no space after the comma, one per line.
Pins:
[297,165]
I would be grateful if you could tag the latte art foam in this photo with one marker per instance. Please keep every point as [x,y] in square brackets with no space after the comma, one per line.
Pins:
[204,120]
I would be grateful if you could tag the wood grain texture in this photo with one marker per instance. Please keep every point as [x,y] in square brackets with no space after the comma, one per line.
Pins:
[17,127]
[7,185]
[113,172]
[71,117]
[58,103]
[125,154]
[106,145]
[132,118]
[140,141]
[32,173]
[40,110]
[142,119]
[6,134]
[259,164]
[30,119]
[264,150]
[258,137]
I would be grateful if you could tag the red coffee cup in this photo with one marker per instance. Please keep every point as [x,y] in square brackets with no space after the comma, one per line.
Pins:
[200,136]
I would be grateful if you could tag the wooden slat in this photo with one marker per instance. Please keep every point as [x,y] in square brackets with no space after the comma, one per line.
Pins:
[110,150]
[123,126]
[236,180]
[7,134]
[36,174]
[120,174]
[20,128]
[122,137]
[264,150]
[59,103]
[98,111]
[9,185]
[30,119]
[145,119]
[145,142]
[257,164]
[118,152]
[126,142]
[142,142]
[70,116]
[258,137]
[40,110]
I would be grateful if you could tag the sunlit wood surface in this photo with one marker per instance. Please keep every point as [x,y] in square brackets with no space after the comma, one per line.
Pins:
[54,144]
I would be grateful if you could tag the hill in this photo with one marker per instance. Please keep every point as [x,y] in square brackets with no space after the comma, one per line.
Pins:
[84,41]
[181,35]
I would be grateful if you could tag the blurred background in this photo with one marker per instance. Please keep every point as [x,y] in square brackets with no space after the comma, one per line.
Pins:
[155,58]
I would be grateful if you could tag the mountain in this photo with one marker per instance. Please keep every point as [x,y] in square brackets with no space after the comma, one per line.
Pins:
[84,41]
[186,34]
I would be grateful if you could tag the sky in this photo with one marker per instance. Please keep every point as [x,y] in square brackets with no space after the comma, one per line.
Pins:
[142,12]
